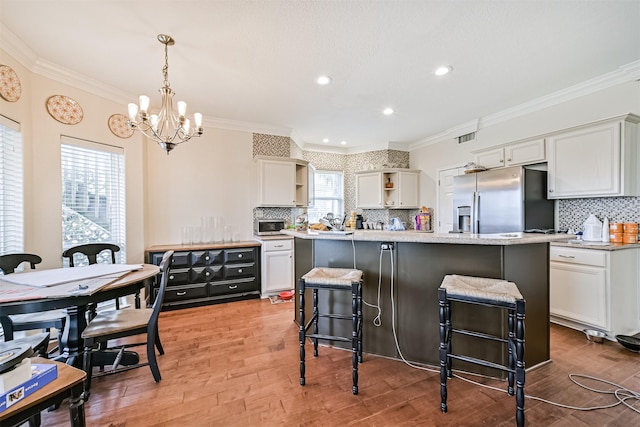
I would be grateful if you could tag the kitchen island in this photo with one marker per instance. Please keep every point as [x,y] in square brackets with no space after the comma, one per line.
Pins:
[410,274]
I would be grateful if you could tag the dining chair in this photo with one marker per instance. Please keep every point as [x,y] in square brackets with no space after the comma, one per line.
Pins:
[115,324]
[43,320]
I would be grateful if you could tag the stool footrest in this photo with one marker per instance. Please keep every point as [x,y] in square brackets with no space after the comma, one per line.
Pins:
[328,337]
[479,335]
[481,362]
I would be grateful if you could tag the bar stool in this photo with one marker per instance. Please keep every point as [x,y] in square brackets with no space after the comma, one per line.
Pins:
[491,293]
[332,279]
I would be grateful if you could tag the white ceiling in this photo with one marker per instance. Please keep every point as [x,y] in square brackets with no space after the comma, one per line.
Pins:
[252,64]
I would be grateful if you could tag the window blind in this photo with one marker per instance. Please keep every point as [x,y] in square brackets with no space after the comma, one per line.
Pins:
[11,187]
[328,195]
[93,194]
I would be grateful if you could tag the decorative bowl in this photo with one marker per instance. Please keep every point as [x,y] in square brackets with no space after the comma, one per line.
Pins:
[629,342]
[595,336]
[286,295]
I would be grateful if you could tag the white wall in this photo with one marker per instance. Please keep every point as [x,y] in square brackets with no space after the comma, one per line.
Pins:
[610,102]
[207,176]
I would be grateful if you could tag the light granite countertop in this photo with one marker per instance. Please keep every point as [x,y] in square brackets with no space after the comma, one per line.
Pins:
[581,244]
[422,237]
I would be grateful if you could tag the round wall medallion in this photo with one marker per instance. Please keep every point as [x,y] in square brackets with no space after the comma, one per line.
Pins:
[119,126]
[64,109]
[10,88]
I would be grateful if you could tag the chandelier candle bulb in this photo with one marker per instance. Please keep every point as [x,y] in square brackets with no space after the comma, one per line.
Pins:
[182,108]
[144,104]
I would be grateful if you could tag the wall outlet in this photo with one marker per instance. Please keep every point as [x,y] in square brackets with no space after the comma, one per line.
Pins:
[386,246]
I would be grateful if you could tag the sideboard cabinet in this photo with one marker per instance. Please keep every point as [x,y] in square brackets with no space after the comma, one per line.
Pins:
[208,274]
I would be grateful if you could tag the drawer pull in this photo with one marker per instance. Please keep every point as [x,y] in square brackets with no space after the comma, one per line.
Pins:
[239,270]
[171,277]
[239,255]
[207,273]
[278,246]
[233,286]
[180,294]
[206,258]
[565,256]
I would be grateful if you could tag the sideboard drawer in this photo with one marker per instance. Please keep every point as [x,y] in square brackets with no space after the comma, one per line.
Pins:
[232,287]
[177,293]
[239,270]
[238,255]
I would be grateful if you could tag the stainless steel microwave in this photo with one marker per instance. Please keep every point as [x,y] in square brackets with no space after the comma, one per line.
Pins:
[266,227]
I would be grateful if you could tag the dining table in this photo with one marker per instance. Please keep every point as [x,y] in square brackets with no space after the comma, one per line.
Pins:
[76,305]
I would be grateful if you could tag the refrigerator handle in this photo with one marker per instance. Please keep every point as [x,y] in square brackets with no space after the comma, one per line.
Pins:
[476,212]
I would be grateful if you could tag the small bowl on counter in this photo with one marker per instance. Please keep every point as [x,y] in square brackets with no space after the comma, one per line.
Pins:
[595,336]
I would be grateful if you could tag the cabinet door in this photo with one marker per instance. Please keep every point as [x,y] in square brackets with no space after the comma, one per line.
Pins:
[525,153]
[491,159]
[585,162]
[278,270]
[277,183]
[369,190]
[578,293]
[408,190]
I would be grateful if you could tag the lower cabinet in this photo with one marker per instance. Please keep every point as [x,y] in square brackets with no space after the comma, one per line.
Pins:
[201,275]
[277,266]
[595,289]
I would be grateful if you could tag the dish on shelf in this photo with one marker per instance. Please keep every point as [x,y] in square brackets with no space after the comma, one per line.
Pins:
[64,109]
[119,126]
[10,87]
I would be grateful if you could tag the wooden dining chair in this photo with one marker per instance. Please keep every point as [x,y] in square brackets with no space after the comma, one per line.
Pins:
[43,320]
[115,324]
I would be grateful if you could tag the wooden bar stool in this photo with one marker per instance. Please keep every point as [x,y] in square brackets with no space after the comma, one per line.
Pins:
[496,293]
[332,279]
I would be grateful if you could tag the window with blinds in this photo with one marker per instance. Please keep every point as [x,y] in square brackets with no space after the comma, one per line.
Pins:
[11,188]
[328,195]
[93,195]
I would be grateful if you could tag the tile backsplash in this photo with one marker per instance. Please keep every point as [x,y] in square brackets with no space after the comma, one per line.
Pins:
[572,213]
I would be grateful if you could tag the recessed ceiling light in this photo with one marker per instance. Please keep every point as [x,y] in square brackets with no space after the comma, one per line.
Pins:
[323,80]
[441,71]
[343,142]
[325,140]
[387,111]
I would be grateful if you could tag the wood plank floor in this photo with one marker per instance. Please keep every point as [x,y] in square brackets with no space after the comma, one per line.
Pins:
[236,364]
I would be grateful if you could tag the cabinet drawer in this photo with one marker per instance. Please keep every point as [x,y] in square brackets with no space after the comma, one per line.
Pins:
[179,276]
[239,270]
[180,259]
[232,287]
[176,293]
[206,274]
[277,245]
[238,255]
[199,258]
[578,256]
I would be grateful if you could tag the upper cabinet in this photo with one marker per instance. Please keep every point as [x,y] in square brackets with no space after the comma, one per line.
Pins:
[596,160]
[282,182]
[387,188]
[518,153]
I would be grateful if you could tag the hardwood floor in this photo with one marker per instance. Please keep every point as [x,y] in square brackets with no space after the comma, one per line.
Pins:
[236,364]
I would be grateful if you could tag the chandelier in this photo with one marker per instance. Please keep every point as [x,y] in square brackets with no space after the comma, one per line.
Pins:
[166,127]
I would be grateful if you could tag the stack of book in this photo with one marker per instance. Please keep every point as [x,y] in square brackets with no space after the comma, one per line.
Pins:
[23,380]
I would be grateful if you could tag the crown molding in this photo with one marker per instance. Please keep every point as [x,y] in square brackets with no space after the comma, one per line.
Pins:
[16,48]
[237,125]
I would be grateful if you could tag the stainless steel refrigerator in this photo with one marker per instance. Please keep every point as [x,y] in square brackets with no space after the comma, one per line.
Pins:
[505,200]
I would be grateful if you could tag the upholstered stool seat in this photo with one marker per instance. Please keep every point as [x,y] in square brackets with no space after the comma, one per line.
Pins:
[497,293]
[332,279]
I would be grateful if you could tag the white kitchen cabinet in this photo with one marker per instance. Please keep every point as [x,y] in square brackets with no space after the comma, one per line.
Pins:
[277,266]
[282,182]
[596,160]
[517,153]
[595,289]
[387,188]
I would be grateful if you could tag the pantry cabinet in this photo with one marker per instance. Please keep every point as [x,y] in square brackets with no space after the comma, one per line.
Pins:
[282,182]
[595,160]
[387,189]
[595,289]
[518,153]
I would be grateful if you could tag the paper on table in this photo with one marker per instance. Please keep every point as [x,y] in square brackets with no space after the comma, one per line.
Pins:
[57,276]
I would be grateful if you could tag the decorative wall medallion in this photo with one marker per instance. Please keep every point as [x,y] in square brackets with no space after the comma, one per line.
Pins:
[10,88]
[119,126]
[64,109]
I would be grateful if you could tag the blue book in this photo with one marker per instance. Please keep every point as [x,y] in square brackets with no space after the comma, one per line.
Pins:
[41,375]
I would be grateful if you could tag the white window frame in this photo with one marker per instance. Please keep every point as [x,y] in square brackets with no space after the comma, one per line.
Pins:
[100,167]
[315,212]
[11,187]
